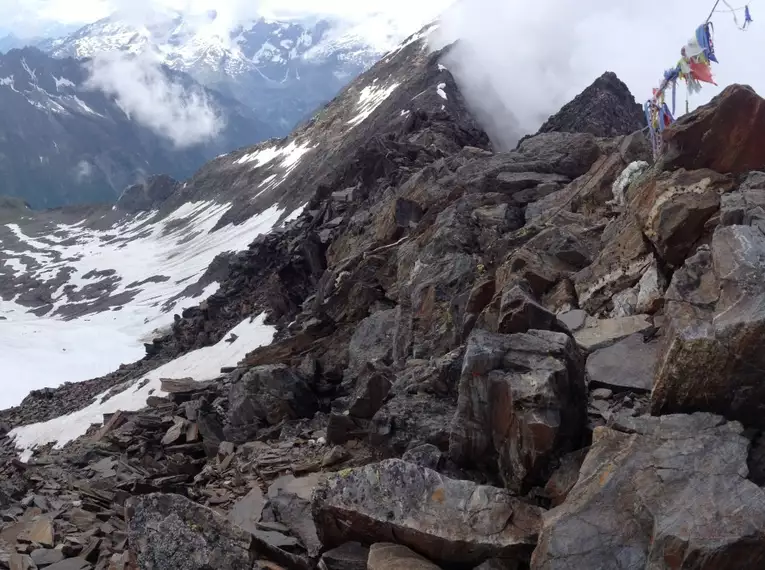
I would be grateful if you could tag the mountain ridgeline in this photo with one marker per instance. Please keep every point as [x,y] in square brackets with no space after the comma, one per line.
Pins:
[378,343]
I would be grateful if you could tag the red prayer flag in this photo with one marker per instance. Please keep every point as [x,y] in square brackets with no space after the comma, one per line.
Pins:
[702,72]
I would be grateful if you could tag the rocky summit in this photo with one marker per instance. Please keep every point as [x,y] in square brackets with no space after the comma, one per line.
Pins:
[434,356]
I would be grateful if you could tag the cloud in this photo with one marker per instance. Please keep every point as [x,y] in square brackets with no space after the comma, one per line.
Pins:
[144,91]
[83,170]
[519,62]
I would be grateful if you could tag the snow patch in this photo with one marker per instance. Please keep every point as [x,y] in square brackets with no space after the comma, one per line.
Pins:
[203,364]
[370,98]
[62,82]
[441,92]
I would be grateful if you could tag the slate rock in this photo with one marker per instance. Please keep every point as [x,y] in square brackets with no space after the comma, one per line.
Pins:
[574,320]
[444,519]
[81,564]
[388,556]
[673,208]
[46,556]
[521,404]
[245,513]
[371,341]
[606,332]
[348,556]
[724,135]
[629,364]
[410,420]
[290,499]
[710,353]
[426,455]
[663,492]
[266,395]
[167,532]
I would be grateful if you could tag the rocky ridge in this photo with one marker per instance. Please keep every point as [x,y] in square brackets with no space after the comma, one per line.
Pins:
[544,358]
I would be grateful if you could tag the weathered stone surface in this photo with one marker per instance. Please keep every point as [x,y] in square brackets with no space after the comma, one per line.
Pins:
[349,556]
[289,497]
[266,395]
[410,420]
[388,556]
[426,455]
[444,519]
[168,532]
[46,556]
[372,340]
[246,511]
[628,364]
[621,263]
[565,476]
[669,493]
[605,332]
[605,109]
[521,403]
[82,564]
[672,209]
[725,135]
[574,320]
[372,387]
[711,353]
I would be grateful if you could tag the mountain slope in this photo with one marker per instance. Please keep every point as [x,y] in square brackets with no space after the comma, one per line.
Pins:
[63,143]
[281,70]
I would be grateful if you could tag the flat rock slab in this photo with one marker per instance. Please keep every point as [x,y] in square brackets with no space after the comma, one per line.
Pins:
[76,564]
[349,556]
[574,320]
[609,331]
[246,511]
[664,493]
[443,519]
[628,364]
[387,556]
[168,532]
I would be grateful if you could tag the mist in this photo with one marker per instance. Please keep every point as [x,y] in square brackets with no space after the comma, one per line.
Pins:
[142,89]
[518,62]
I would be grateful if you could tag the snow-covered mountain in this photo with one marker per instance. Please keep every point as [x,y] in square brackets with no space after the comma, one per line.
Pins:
[282,70]
[82,289]
[62,142]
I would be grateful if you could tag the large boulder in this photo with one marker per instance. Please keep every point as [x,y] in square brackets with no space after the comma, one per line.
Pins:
[168,531]
[672,209]
[663,493]
[266,395]
[627,365]
[388,556]
[521,404]
[726,135]
[711,356]
[446,520]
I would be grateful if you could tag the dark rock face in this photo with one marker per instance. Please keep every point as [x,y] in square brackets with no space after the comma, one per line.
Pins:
[169,532]
[521,404]
[440,518]
[637,478]
[147,195]
[724,135]
[266,395]
[605,109]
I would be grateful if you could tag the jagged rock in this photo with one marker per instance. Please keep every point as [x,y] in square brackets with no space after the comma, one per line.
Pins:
[605,109]
[372,388]
[349,556]
[565,477]
[46,556]
[521,404]
[574,320]
[644,500]
[410,420]
[724,135]
[168,532]
[290,499]
[427,455]
[371,341]
[266,395]
[621,263]
[147,195]
[672,209]
[388,556]
[628,364]
[605,332]
[444,519]
[246,511]
[745,206]
[515,182]
[711,350]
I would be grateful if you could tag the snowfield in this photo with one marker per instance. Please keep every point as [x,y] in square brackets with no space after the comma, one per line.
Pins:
[202,364]
[152,263]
